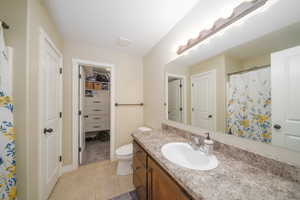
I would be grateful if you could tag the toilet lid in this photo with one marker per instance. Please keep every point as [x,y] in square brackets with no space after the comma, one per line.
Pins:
[125,150]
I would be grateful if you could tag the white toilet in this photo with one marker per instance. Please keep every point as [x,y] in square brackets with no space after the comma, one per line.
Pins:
[124,154]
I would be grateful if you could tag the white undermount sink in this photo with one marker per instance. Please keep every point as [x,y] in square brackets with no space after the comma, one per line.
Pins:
[184,155]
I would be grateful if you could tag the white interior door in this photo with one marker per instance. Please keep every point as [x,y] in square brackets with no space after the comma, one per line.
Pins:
[285,73]
[203,99]
[51,108]
[81,136]
[175,100]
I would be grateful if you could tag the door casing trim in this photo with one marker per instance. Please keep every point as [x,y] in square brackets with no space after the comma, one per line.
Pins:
[75,131]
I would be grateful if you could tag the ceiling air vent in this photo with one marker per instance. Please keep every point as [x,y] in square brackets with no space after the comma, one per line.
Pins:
[123,42]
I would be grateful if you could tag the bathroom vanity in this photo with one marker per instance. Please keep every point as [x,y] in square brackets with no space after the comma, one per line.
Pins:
[152,181]
[239,175]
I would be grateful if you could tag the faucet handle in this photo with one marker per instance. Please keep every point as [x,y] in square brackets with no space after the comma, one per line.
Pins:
[196,139]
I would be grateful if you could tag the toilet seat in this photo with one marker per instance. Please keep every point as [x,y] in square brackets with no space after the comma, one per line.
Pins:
[125,150]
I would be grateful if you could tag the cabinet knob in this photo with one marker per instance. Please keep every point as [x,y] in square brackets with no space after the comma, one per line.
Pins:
[209,116]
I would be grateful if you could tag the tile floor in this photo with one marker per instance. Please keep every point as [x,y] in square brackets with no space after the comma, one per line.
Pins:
[96,181]
[127,196]
[95,151]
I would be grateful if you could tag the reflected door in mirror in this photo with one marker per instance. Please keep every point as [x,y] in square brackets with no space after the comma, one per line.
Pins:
[175,100]
[286,98]
[203,100]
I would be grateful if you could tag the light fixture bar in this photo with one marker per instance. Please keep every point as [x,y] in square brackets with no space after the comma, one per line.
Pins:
[239,12]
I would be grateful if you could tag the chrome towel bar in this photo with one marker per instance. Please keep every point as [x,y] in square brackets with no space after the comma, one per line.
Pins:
[124,104]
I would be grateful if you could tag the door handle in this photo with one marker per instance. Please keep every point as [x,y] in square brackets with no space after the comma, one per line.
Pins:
[48,130]
[210,116]
[277,126]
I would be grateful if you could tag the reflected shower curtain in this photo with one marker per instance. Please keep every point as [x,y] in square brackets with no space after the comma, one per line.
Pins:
[7,134]
[249,105]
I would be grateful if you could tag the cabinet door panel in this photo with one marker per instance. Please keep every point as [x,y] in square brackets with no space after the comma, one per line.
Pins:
[161,186]
[139,173]
[139,153]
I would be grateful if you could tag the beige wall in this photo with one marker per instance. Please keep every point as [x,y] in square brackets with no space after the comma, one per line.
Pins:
[129,89]
[154,67]
[37,17]
[14,13]
[256,61]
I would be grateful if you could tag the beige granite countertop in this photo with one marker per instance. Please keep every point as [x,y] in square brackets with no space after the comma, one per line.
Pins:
[231,180]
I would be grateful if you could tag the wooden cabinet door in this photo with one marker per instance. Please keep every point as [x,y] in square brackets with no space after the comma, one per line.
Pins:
[161,186]
[139,171]
[140,179]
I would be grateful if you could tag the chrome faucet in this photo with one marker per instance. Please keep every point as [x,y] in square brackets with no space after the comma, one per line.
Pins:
[195,142]
[206,147]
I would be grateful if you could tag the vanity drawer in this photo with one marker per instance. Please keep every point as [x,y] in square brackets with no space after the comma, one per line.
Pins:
[139,154]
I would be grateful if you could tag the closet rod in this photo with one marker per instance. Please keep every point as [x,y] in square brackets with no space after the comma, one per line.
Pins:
[4,25]
[124,104]
[249,70]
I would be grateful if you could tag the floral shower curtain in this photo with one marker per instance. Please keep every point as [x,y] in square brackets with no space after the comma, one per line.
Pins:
[249,105]
[7,134]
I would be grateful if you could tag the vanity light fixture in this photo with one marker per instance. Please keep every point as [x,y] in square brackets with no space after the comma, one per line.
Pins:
[239,12]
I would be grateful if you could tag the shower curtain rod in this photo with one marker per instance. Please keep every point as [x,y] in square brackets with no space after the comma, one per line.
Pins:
[249,70]
[4,25]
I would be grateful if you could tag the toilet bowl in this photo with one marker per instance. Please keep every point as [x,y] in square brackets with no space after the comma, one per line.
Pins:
[124,154]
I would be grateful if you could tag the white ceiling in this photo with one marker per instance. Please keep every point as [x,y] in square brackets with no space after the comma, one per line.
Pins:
[102,22]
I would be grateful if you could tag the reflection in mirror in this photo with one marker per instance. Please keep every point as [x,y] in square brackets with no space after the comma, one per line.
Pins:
[250,91]
[175,97]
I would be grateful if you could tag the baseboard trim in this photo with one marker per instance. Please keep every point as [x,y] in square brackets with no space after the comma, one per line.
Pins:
[67,168]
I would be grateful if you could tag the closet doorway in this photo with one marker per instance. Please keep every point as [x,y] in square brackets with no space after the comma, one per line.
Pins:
[93,125]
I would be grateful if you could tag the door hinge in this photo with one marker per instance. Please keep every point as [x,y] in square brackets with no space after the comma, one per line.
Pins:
[79,76]
[60,70]
[60,158]
[79,149]
[60,114]
[180,85]
[79,112]
[192,84]
[180,109]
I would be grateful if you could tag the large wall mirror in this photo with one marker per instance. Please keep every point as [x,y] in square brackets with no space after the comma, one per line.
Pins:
[250,91]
